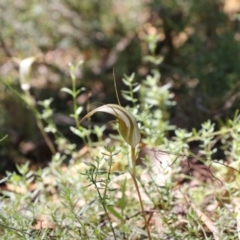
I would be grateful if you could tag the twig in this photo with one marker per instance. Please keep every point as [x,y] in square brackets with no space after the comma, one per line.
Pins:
[186,156]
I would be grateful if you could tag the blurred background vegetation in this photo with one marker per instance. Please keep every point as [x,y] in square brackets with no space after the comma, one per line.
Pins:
[199,41]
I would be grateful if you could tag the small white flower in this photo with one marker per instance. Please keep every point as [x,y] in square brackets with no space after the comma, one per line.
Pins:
[25,71]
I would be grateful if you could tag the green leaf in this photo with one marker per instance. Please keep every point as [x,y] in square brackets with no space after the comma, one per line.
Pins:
[123,200]
[86,207]
[79,110]
[114,212]
[5,179]
[112,189]
[136,88]
[117,173]
[126,82]
[67,90]
[3,138]
[89,164]
[127,97]
[79,133]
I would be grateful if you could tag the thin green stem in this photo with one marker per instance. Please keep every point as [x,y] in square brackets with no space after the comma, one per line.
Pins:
[40,123]
[115,86]
[164,217]
[74,90]
[212,134]
[103,198]
[131,93]
[28,100]
[133,175]
[45,136]
[72,206]
[15,230]
[108,175]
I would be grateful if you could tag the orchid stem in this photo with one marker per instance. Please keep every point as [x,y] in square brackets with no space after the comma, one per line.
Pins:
[133,175]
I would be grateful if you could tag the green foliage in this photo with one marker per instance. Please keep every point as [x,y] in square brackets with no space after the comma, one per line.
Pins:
[91,198]
[186,182]
[194,51]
